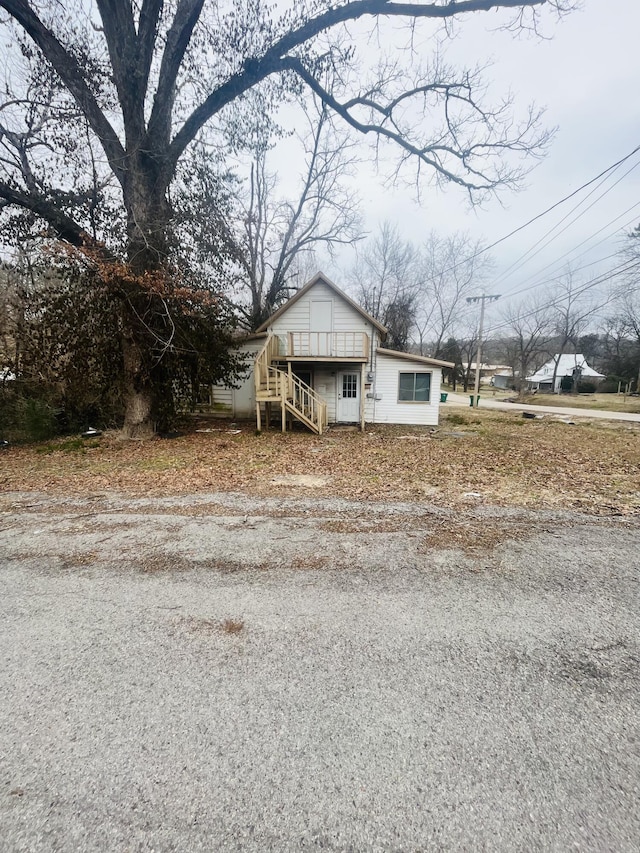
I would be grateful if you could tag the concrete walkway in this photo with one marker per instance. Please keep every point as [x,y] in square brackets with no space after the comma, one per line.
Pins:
[560,411]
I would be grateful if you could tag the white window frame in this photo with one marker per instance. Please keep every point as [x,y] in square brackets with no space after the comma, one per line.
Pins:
[415,373]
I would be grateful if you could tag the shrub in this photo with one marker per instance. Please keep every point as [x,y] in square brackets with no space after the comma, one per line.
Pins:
[24,418]
[38,420]
[611,383]
[457,419]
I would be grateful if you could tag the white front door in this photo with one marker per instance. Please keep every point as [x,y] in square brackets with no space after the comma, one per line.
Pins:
[348,411]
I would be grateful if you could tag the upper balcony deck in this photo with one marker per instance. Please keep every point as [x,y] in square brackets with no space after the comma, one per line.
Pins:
[326,346]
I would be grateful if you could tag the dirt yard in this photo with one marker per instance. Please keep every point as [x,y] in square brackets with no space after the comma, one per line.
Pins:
[479,457]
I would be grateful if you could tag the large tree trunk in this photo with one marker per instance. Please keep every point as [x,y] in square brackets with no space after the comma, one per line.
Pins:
[522,390]
[148,222]
[138,391]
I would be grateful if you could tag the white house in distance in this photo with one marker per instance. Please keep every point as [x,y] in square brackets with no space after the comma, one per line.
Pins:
[568,364]
[320,359]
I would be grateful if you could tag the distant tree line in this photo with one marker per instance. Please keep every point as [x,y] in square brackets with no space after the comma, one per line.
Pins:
[419,292]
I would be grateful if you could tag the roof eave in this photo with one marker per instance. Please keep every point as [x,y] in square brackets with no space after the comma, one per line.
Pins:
[319,276]
[408,356]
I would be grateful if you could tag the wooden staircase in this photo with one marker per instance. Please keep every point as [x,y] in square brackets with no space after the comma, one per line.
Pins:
[295,398]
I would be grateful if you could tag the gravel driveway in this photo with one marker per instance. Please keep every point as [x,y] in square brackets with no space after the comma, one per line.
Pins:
[226,673]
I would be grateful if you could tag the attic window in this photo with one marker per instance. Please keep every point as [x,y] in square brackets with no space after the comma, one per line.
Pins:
[414,387]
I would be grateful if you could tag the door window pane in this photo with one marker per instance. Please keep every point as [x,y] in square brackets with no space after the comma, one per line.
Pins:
[350,386]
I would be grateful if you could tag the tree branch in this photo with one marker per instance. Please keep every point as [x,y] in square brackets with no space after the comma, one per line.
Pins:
[178,37]
[64,227]
[422,154]
[147,30]
[122,43]
[275,59]
[68,69]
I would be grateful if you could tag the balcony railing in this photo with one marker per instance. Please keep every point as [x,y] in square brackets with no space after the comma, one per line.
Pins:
[328,344]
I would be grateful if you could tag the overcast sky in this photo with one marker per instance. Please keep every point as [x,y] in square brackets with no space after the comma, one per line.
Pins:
[587,77]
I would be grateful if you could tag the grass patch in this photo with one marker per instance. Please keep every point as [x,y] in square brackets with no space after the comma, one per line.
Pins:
[457,420]
[601,402]
[232,626]
[152,564]
[196,625]
[79,560]
[69,445]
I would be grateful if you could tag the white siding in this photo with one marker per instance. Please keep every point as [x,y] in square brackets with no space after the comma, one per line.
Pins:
[222,400]
[388,410]
[238,402]
[297,318]
[324,383]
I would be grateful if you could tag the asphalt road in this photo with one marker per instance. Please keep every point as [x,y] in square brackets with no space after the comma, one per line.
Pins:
[224,673]
[487,402]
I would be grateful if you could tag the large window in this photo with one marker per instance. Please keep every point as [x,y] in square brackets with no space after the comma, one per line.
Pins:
[414,387]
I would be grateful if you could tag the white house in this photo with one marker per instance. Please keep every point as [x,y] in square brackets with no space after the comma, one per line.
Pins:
[568,364]
[320,359]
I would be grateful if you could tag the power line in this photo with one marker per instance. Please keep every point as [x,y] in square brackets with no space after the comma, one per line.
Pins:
[548,210]
[573,221]
[610,274]
[562,201]
[573,270]
[570,251]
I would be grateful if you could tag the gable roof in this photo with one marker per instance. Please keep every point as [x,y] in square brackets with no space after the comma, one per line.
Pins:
[567,363]
[320,277]
[409,356]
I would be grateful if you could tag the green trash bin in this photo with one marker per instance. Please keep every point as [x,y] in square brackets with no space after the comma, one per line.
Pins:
[477,399]
[443,397]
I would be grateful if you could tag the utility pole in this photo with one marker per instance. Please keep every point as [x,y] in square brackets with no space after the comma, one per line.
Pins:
[481,299]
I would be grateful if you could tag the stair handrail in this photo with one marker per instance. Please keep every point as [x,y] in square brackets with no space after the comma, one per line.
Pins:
[300,398]
[307,402]
[263,370]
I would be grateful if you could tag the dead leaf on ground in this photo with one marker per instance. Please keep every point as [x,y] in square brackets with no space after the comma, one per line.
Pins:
[510,461]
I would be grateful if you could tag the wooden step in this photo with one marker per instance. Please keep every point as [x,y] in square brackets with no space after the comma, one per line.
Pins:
[303,418]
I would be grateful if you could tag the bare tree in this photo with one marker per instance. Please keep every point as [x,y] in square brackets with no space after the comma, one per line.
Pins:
[278,235]
[451,269]
[385,281]
[625,329]
[628,296]
[572,306]
[621,348]
[139,81]
[527,327]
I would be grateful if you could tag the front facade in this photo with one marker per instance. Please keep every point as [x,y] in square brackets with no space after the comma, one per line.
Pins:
[320,359]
